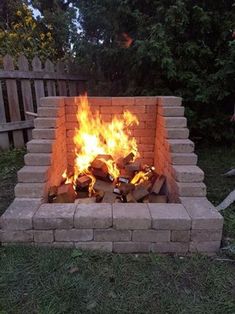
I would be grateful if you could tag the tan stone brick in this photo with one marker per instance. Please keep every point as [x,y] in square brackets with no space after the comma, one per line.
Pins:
[204,215]
[169,101]
[112,235]
[135,109]
[177,133]
[70,101]
[200,235]
[49,112]
[52,101]
[74,235]
[71,118]
[191,189]
[151,235]
[45,123]
[131,216]
[184,159]
[146,100]
[33,174]
[143,132]
[169,217]
[54,216]
[16,235]
[131,247]
[111,109]
[171,111]
[95,246]
[30,190]
[180,235]
[205,247]
[47,134]
[181,146]
[188,173]
[174,122]
[63,244]
[123,101]
[45,236]
[37,159]
[100,101]
[147,140]
[93,216]
[146,147]
[19,214]
[40,146]
[170,247]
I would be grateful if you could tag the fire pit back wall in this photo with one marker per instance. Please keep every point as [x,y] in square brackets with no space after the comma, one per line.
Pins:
[187,223]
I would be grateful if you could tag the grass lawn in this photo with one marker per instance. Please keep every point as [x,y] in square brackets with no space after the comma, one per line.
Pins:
[48,281]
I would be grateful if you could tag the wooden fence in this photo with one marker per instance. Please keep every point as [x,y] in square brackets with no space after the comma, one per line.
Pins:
[22,85]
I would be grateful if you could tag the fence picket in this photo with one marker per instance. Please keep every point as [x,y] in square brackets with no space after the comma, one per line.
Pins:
[26,92]
[38,84]
[60,68]
[13,102]
[4,139]
[51,90]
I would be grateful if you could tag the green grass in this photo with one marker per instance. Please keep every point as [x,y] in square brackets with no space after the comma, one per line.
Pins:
[48,281]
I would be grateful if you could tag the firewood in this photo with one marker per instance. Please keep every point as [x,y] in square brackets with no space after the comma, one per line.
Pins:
[99,196]
[83,181]
[109,197]
[153,198]
[123,161]
[133,166]
[104,156]
[130,198]
[124,179]
[140,192]
[158,184]
[87,200]
[82,194]
[52,193]
[65,194]
[126,188]
[103,186]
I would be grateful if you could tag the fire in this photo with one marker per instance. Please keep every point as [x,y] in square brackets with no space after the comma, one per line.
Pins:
[94,137]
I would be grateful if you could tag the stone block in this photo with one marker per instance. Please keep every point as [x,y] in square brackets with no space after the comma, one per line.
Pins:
[203,214]
[54,216]
[181,146]
[131,247]
[16,235]
[169,101]
[102,235]
[169,217]
[44,236]
[191,189]
[40,146]
[33,174]
[171,111]
[204,247]
[95,246]
[66,245]
[188,173]
[180,235]
[146,101]
[30,190]
[170,247]
[47,134]
[52,101]
[48,112]
[19,214]
[131,216]
[93,216]
[177,133]
[200,235]
[175,122]
[45,123]
[151,235]
[123,101]
[74,235]
[100,101]
[184,159]
[37,159]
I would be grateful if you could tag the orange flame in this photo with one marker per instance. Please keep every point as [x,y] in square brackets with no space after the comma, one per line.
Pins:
[94,137]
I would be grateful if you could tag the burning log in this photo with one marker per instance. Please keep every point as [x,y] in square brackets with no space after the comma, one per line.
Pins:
[99,195]
[133,166]
[129,198]
[99,168]
[82,194]
[65,194]
[103,186]
[109,197]
[123,161]
[83,182]
[126,188]
[52,193]
[158,184]
[140,192]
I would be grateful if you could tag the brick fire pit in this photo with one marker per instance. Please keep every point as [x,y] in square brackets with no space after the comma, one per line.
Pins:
[188,223]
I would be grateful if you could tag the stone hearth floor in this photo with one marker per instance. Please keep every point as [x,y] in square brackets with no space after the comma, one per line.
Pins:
[193,226]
